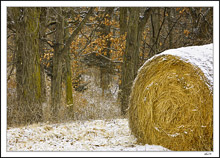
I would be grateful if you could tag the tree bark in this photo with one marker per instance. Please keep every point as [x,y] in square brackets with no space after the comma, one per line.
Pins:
[28,75]
[155,26]
[169,10]
[123,20]
[123,30]
[130,58]
[42,31]
[56,82]
[142,24]
[68,76]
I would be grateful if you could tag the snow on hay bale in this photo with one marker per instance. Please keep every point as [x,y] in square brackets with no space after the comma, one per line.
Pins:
[171,103]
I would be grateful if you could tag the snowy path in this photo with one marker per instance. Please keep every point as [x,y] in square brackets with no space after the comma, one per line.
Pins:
[96,135]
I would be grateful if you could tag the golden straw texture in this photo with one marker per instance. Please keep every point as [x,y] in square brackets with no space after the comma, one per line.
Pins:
[171,105]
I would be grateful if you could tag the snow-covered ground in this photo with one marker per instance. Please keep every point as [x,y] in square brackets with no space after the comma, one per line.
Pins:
[94,135]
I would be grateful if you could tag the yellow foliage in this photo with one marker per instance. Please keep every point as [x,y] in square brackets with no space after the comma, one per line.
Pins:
[186,32]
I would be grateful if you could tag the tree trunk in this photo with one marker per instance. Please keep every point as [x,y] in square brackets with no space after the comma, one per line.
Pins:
[68,76]
[42,30]
[169,27]
[28,75]
[131,61]
[56,81]
[130,58]
[141,27]
[59,53]
[68,82]
[155,26]
[123,20]
[123,30]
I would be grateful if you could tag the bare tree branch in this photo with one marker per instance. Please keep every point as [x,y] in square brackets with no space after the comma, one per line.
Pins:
[171,29]
[76,31]
[51,23]
[92,33]
[47,41]
[51,32]
[164,17]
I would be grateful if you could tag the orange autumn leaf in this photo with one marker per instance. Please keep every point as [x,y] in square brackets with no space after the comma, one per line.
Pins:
[186,32]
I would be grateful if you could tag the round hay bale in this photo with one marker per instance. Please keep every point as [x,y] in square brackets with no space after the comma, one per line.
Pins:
[171,102]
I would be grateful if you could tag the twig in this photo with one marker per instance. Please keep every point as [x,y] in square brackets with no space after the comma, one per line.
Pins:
[90,36]
[171,30]
[164,17]
[51,23]
[48,33]
[76,31]
[47,41]
[84,35]
[13,58]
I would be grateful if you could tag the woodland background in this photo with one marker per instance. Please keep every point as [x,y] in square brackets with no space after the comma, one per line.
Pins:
[79,63]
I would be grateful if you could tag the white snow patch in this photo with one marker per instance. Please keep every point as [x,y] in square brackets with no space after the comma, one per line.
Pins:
[200,56]
[173,135]
[157,129]
[96,135]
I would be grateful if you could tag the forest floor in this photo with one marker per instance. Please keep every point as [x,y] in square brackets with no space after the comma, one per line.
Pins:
[93,135]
